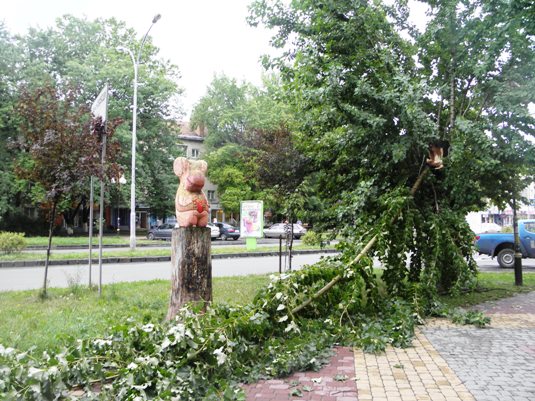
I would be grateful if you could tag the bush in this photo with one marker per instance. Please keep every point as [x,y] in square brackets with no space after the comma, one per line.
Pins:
[19,222]
[12,242]
[312,238]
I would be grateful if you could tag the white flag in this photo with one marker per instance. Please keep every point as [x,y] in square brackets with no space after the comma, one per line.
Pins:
[100,105]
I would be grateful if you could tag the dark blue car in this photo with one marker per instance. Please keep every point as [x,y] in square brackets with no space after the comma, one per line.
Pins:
[227,231]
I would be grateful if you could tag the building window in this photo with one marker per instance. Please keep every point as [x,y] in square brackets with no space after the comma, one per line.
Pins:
[194,153]
[210,195]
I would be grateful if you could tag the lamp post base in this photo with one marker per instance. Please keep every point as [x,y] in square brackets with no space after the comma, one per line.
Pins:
[133,231]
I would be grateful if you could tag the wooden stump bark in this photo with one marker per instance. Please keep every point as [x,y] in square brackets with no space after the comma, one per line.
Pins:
[191,262]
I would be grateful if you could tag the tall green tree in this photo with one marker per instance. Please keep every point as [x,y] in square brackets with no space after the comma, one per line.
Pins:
[9,58]
[249,142]
[86,53]
[223,112]
[478,61]
[369,102]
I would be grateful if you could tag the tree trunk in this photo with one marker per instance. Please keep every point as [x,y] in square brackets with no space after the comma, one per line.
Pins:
[50,231]
[192,268]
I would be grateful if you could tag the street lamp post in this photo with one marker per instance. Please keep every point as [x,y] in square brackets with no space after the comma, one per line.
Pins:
[121,181]
[135,62]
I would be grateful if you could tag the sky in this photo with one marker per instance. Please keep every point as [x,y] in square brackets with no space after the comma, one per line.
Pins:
[202,37]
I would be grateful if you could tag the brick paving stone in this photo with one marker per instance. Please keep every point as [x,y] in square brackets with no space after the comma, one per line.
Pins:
[496,363]
[447,362]
[327,390]
[418,373]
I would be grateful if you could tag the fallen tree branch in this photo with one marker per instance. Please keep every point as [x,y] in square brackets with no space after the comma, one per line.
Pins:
[362,253]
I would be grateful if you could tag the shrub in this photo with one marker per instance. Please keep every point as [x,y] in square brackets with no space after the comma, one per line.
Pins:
[313,238]
[19,222]
[12,242]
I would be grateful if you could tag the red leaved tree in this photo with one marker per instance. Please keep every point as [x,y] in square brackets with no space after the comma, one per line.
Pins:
[61,147]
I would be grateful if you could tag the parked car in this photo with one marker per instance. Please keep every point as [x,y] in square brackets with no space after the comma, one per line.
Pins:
[215,232]
[163,231]
[228,231]
[279,230]
[501,245]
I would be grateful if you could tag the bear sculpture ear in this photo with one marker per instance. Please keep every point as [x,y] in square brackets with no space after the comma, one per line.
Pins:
[180,165]
[202,166]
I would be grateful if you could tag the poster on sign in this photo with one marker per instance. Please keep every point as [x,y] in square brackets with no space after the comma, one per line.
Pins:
[252,219]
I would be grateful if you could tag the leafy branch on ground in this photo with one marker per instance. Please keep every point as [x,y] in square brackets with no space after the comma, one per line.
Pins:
[206,356]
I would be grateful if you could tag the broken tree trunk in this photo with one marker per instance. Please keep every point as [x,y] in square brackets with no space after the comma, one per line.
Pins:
[362,253]
[192,268]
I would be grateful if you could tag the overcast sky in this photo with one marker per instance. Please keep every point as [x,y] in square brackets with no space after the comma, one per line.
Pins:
[202,37]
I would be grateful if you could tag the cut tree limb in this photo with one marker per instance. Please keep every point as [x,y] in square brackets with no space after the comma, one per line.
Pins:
[362,253]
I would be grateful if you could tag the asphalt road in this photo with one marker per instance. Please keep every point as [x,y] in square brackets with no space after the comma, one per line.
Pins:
[25,278]
[486,264]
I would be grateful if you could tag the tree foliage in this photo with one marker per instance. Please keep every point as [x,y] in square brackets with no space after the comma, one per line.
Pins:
[478,61]
[369,101]
[250,144]
[85,54]
[8,79]
[60,149]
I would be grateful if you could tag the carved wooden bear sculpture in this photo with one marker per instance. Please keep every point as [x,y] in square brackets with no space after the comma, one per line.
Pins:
[190,202]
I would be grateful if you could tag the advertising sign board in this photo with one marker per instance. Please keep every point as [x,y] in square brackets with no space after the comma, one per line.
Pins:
[252,219]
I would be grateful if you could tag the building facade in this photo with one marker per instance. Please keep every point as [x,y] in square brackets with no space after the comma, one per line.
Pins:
[504,217]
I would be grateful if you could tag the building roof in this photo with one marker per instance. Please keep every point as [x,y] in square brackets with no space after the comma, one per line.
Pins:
[185,129]
[194,138]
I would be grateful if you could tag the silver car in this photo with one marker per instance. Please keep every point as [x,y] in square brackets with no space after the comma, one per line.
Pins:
[279,230]
[214,231]
[163,231]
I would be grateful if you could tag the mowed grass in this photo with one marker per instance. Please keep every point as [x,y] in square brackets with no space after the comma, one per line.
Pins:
[77,312]
[139,252]
[493,286]
[83,241]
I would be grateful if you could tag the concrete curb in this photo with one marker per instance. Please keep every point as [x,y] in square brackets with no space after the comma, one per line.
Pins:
[36,263]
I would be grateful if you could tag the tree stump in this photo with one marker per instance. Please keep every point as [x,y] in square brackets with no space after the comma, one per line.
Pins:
[192,268]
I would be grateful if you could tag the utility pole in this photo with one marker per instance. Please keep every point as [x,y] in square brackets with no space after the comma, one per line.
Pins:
[518,252]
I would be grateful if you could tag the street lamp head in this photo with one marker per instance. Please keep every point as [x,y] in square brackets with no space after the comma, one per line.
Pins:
[156,18]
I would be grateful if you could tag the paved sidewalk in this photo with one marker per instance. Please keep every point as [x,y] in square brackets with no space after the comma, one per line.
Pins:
[446,362]
[334,382]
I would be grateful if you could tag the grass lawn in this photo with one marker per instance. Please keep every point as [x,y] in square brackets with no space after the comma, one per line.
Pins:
[139,252]
[83,241]
[493,286]
[78,312]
